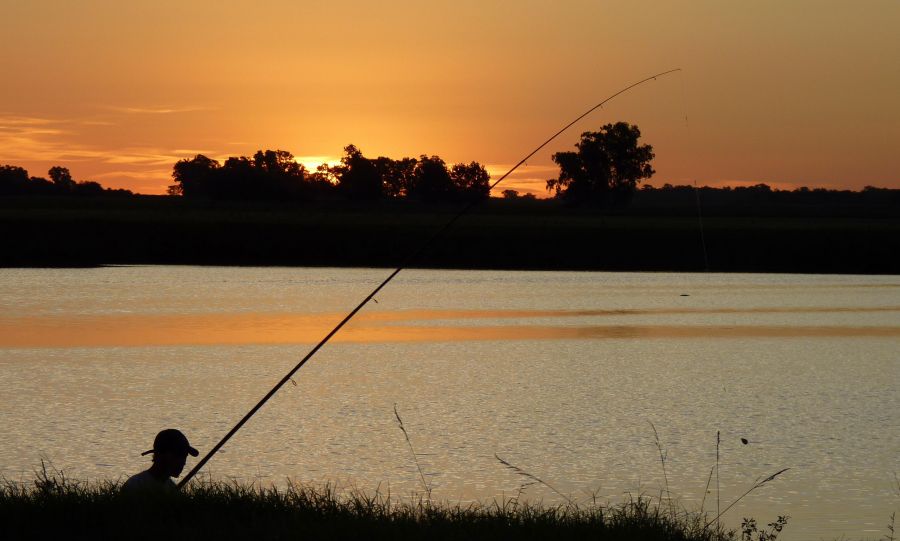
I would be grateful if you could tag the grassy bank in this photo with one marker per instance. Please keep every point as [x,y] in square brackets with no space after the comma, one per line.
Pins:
[63,509]
[147,230]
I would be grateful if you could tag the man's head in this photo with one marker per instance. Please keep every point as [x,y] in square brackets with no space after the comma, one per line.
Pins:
[170,451]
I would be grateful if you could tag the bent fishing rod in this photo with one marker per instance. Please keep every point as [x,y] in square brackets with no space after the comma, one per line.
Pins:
[406,261]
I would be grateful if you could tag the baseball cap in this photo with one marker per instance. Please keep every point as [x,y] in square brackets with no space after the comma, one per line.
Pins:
[171,440]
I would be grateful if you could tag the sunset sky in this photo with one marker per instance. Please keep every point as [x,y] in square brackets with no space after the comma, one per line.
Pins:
[790,93]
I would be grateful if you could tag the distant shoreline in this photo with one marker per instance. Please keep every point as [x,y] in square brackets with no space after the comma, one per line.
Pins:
[499,235]
[413,267]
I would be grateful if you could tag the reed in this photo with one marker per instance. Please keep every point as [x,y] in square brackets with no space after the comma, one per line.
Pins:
[415,455]
[663,455]
[718,498]
[757,484]
[891,525]
[532,479]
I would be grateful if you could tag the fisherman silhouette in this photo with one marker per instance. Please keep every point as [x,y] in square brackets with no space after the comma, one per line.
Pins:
[170,451]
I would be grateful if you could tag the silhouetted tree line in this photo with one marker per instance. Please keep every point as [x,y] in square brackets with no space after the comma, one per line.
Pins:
[275,175]
[764,196]
[15,181]
[603,171]
[607,165]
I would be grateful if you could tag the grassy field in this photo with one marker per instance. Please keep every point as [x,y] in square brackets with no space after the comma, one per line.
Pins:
[53,507]
[148,230]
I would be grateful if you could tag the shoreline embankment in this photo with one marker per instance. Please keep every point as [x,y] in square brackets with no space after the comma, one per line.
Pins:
[497,235]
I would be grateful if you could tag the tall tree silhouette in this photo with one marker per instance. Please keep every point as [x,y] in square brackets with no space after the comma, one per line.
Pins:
[62,179]
[396,175]
[471,181]
[238,179]
[13,180]
[606,167]
[278,175]
[194,177]
[431,180]
[358,177]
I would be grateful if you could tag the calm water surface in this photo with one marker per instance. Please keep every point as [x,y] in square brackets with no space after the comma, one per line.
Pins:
[558,373]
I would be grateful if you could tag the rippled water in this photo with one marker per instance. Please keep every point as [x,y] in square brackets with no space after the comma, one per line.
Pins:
[560,374]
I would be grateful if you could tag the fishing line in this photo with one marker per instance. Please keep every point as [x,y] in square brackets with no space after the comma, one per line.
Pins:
[406,261]
[696,189]
[684,102]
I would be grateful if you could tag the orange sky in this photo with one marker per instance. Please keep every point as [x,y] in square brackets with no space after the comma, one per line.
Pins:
[803,92]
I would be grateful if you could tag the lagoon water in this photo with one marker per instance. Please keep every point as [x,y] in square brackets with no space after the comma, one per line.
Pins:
[558,373]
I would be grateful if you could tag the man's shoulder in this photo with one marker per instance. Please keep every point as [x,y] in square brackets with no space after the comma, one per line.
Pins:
[143,481]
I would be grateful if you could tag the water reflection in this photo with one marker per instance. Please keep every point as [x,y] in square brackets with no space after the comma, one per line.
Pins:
[556,372]
[404,326]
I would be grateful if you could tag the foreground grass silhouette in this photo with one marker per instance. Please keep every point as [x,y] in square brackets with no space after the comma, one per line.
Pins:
[60,508]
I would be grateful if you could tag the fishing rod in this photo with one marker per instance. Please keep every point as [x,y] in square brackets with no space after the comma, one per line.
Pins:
[406,261]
